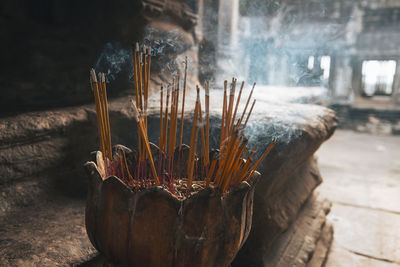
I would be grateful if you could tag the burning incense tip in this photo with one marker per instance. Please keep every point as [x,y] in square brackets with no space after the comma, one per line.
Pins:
[93,75]
[137,47]
[149,50]
[232,91]
[135,111]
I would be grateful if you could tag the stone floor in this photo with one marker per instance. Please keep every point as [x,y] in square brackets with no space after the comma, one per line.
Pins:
[362,178]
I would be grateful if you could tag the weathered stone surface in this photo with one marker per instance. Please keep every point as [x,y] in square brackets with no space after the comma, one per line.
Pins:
[285,184]
[353,175]
[363,184]
[323,246]
[41,153]
[51,233]
[281,214]
[296,246]
[372,233]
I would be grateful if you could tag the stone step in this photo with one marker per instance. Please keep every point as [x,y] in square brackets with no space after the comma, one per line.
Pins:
[323,246]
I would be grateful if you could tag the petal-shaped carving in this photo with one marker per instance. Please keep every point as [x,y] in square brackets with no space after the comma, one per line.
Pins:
[152,227]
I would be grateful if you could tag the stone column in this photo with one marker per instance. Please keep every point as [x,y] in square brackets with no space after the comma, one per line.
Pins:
[317,63]
[356,64]
[340,80]
[284,70]
[396,84]
[209,20]
[276,72]
[199,27]
[228,16]
[208,13]
[332,74]
[227,21]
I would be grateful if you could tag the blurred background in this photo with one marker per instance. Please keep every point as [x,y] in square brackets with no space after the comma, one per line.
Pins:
[340,54]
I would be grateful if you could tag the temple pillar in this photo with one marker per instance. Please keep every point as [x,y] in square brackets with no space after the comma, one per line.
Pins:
[356,64]
[396,84]
[340,80]
[228,18]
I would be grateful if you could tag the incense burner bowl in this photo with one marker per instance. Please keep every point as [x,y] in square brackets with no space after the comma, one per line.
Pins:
[152,227]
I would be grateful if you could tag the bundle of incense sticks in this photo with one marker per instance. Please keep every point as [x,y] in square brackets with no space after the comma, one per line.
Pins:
[233,163]
[103,122]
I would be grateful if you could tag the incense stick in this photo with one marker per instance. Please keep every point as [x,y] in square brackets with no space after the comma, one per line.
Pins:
[135,72]
[99,113]
[247,104]
[161,119]
[193,144]
[203,138]
[172,119]
[244,170]
[207,104]
[232,165]
[183,106]
[266,152]
[106,115]
[223,116]
[237,105]
[230,106]
[145,85]
[139,121]
[148,79]
[175,118]
[166,120]
[248,115]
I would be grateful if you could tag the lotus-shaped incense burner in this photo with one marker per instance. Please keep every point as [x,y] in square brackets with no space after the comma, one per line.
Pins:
[153,227]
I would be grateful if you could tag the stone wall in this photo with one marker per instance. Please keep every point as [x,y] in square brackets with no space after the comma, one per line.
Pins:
[48,46]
